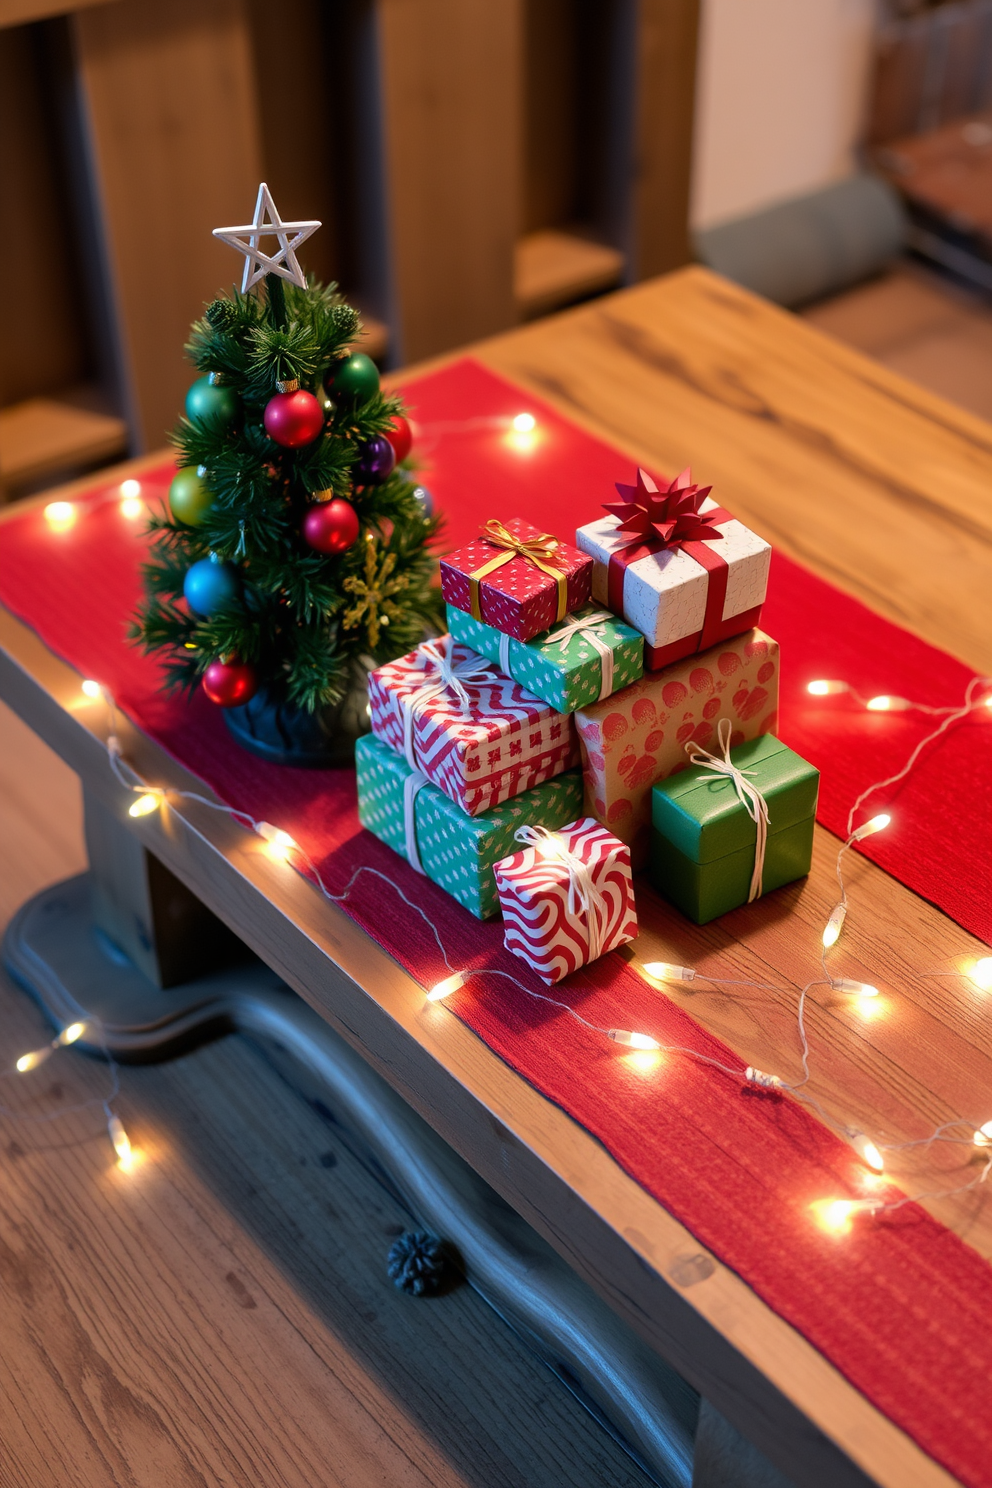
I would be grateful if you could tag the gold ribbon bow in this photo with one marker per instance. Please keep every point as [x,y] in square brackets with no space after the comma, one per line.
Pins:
[536,550]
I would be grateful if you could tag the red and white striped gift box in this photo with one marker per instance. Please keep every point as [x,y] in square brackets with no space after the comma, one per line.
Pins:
[473,732]
[567,898]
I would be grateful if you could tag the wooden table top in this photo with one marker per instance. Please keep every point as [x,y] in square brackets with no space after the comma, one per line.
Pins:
[887,492]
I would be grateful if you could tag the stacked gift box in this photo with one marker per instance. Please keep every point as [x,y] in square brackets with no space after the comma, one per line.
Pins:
[637,651]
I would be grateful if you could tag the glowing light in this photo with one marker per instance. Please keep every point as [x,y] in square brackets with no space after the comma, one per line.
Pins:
[632,1040]
[92,689]
[522,434]
[835,924]
[834,1215]
[31,1061]
[983,1136]
[981,973]
[868,1152]
[59,515]
[144,805]
[644,1061]
[71,1034]
[122,1144]
[858,989]
[666,971]
[826,687]
[450,984]
[885,704]
[762,1080]
[524,423]
[130,488]
[132,506]
[279,844]
[876,824]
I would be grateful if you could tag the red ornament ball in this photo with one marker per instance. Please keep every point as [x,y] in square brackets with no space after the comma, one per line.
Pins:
[400,437]
[293,419]
[230,683]
[331,526]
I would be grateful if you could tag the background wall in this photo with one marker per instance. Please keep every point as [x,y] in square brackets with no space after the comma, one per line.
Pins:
[780,101]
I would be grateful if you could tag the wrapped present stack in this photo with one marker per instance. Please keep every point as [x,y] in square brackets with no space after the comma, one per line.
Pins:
[633,652]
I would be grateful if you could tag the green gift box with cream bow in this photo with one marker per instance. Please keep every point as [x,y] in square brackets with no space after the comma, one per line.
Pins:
[456,850]
[704,839]
[588,656]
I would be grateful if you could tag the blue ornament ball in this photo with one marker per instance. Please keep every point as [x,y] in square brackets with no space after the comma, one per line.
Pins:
[211,585]
[424,500]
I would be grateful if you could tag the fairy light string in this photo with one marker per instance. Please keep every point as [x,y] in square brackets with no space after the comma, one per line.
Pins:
[836,1213]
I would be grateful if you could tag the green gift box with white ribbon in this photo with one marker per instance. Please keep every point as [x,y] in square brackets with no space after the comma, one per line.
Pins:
[418,821]
[588,656]
[714,846]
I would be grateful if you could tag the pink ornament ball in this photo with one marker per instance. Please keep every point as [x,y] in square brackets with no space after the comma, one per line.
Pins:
[230,683]
[293,419]
[331,526]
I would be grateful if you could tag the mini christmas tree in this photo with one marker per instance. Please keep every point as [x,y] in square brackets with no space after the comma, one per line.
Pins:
[294,555]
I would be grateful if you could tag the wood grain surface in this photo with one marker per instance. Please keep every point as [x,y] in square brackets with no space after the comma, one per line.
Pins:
[222,1314]
[837,461]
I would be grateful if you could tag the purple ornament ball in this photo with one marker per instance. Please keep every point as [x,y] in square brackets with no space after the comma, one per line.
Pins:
[375,462]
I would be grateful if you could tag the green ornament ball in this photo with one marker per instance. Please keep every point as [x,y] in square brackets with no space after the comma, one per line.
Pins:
[208,403]
[355,380]
[189,499]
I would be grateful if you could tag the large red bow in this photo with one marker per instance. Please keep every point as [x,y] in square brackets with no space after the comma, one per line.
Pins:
[670,515]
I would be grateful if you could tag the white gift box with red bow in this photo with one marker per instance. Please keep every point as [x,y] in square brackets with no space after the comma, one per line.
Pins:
[567,897]
[475,733]
[688,580]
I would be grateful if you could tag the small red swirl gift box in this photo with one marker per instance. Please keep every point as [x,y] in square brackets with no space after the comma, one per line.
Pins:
[476,734]
[567,897]
[516,579]
[676,566]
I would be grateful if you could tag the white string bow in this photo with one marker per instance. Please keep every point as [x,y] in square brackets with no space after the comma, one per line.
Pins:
[749,795]
[586,905]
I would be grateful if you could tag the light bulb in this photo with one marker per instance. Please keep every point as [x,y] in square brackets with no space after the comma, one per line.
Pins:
[92,689]
[981,973]
[886,704]
[983,1136]
[762,1080]
[59,515]
[665,971]
[122,1143]
[132,507]
[279,844]
[835,1215]
[826,687]
[869,828]
[130,488]
[450,984]
[31,1061]
[144,805]
[868,1152]
[835,924]
[859,989]
[71,1034]
[523,423]
[632,1040]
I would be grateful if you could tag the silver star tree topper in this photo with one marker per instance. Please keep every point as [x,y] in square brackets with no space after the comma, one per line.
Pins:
[246,240]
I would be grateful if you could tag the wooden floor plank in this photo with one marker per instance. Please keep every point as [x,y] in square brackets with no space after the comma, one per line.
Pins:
[222,1314]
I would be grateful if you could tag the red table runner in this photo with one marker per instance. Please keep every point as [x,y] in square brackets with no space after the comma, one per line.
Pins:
[900,1305]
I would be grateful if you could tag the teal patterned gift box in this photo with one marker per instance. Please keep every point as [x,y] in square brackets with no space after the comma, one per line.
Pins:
[563,666]
[457,851]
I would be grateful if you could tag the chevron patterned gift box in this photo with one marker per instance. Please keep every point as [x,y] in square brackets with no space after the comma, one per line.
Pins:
[567,897]
[474,732]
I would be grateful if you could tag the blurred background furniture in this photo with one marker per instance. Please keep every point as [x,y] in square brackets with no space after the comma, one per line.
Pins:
[473,162]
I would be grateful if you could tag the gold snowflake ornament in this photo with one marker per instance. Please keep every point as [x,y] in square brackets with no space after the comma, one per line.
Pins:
[374,602]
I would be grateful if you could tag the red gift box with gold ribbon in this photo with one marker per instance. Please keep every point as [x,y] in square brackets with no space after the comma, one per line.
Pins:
[517,579]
